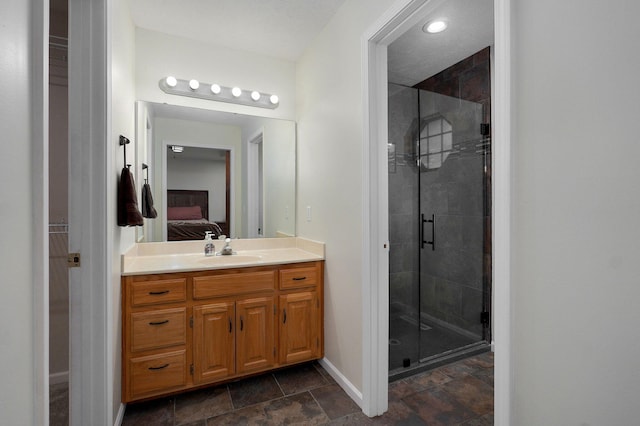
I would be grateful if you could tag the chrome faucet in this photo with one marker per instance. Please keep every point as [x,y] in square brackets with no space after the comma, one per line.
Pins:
[227,250]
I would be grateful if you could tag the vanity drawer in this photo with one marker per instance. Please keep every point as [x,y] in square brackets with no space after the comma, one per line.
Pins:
[154,292]
[158,329]
[233,283]
[157,373]
[307,276]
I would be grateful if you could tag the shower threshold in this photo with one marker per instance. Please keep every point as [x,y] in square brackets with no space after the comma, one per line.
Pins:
[439,360]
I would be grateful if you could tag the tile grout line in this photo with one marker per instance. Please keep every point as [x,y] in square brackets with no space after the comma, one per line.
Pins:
[278,383]
[321,408]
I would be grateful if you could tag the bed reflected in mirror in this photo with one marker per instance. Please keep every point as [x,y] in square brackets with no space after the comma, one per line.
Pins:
[188,216]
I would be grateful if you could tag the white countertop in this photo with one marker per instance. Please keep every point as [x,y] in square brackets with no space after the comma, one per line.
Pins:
[182,256]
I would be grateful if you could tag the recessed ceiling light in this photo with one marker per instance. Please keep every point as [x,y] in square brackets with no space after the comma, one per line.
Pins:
[433,27]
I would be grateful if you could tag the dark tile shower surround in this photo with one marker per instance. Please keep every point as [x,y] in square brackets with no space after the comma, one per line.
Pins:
[456,394]
[469,79]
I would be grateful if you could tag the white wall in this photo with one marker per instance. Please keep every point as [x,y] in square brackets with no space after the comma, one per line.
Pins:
[202,175]
[201,134]
[144,141]
[279,170]
[576,275]
[279,174]
[19,212]
[159,55]
[122,123]
[330,126]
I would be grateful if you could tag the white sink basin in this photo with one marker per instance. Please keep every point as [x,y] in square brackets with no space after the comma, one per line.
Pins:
[233,259]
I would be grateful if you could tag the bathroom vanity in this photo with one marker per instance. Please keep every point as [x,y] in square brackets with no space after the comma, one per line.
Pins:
[189,320]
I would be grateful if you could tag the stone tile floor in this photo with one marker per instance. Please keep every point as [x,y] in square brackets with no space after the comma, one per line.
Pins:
[456,394]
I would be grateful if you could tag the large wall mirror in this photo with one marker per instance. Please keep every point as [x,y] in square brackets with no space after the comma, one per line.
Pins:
[230,173]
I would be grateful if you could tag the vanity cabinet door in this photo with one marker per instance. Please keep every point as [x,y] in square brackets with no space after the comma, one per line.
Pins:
[255,334]
[213,342]
[299,327]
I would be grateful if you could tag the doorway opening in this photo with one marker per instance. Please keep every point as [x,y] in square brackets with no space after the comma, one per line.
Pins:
[198,192]
[439,182]
[58,214]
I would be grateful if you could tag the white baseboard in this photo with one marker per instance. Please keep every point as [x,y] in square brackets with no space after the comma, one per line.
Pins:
[342,381]
[120,416]
[57,378]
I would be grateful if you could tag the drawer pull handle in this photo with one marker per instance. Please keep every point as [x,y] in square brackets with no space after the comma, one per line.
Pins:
[159,322]
[158,293]
[284,320]
[159,368]
[299,278]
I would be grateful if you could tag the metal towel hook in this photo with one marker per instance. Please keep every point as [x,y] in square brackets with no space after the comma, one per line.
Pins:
[124,142]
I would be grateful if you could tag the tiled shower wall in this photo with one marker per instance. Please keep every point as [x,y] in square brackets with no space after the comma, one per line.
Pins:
[454,276]
[451,276]
[469,79]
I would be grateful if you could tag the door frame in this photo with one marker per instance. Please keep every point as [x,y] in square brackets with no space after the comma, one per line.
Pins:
[375,285]
[39,100]
[254,208]
[91,214]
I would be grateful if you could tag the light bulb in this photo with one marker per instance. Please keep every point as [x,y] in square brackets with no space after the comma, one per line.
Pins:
[255,95]
[171,81]
[215,89]
[434,27]
[194,84]
[274,99]
[236,91]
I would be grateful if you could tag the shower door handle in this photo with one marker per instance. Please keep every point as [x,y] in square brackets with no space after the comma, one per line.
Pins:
[432,221]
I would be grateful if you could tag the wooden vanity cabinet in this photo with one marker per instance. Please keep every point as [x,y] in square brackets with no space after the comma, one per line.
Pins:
[154,335]
[187,330]
[301,313]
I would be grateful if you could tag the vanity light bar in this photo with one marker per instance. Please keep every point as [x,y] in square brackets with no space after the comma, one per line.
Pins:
[215,92]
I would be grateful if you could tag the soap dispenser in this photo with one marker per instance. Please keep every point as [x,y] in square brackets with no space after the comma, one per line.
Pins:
[209,248]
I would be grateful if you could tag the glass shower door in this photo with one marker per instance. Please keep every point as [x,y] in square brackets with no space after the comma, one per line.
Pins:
[404,259]
[451,162]
[439,227]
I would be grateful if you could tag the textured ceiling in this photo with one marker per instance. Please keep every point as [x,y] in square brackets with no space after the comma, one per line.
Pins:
[416,55]
[276,28]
